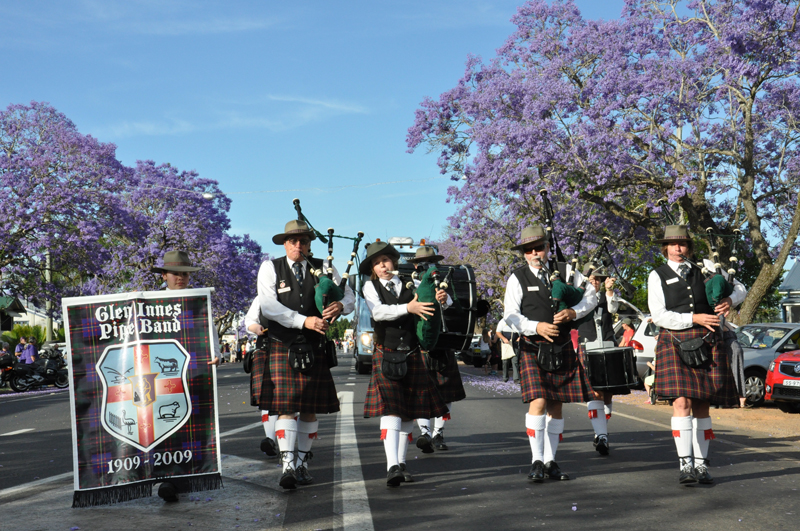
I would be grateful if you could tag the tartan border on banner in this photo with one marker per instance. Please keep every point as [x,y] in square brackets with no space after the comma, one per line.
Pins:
[108,469]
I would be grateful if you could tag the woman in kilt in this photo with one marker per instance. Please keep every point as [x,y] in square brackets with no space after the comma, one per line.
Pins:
[443,366]
[529,309]
[401,388]
[601,406]
[678,304]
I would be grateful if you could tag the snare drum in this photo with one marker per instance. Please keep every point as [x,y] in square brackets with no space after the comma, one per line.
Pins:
[611,368]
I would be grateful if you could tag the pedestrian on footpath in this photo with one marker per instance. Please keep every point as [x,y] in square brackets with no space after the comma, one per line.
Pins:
[400,388]
[297,329]
[678,304]
[551,373]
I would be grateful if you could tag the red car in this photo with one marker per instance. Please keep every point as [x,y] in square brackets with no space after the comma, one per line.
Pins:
[783,382]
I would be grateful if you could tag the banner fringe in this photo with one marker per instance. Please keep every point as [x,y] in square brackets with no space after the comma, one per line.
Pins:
[111,495]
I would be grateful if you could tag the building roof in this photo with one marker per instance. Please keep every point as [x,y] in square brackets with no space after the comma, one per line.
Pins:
[11,304]
[792,280]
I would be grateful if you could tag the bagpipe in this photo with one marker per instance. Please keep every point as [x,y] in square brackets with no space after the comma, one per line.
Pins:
[564,294]
[326,290]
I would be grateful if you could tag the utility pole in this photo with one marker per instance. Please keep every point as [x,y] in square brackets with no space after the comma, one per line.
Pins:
[48,303]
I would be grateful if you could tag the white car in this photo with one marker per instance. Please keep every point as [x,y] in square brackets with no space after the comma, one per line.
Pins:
[643,342]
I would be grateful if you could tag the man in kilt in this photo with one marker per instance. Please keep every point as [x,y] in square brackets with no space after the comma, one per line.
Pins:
[286,296]
[607,305]
[400,388]
[261,386]
[679,305]
[443,366]
[529,309]
[175,271]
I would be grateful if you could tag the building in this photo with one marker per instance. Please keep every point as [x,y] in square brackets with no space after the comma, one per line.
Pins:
[10,309]
[790,290]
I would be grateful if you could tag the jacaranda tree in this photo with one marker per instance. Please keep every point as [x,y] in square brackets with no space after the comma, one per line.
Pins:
[693,105]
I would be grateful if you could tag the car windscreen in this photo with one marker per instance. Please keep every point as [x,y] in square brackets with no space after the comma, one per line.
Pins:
[759,336]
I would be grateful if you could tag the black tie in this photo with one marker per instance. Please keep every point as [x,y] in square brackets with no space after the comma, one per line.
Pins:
[683,271]
[544,279]
[298,273]
[390,287]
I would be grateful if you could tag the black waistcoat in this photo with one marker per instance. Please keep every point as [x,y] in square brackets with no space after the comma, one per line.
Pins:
[537,303]
[400,332]
[587,330]
[684,296]
[299,299]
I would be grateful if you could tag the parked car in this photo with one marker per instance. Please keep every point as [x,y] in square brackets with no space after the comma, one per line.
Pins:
[762,343]
[783,382]
[472,355]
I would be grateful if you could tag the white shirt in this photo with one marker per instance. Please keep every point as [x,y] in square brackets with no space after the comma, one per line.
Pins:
[379,310]
[252,317]
[513,301]
[674,320]
[275,311]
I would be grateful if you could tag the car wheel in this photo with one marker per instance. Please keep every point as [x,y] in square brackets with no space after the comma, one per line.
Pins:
[477,362]
[789,407]
[754,388]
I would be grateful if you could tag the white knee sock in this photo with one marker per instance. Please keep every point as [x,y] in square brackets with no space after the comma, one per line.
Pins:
[702,435]
[424,426]
[535,425]
[390,434]
[682,433]
[608,408]
[438,423]
[554,429]
[402,443]
[268,421]
[597,417]
[286,433]
[306,433]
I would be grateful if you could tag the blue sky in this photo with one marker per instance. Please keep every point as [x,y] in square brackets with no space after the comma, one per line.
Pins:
[302,96]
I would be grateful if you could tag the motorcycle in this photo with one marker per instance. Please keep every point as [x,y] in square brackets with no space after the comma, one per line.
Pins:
[6,367]
[49,369]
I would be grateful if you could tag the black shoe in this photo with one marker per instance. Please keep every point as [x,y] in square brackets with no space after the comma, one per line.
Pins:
[701,472]
[395,476]
[537,472]
[552,471]
[424,443]
[407,478]
[288,479]
[168,492]
[302,476]
[601,444]
[269,447]
[438,442]
[686,476]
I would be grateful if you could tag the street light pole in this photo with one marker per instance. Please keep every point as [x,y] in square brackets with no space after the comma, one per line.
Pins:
[48,303]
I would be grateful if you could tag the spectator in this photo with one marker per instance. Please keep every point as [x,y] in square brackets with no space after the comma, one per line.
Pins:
[627,335]
[30,354]
[23,342]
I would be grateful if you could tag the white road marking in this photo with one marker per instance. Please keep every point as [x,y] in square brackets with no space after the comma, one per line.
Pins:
[239,430]
[350,494]
[349,384]
[16,432]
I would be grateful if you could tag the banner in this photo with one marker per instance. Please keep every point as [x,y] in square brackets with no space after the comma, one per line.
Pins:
[143,397]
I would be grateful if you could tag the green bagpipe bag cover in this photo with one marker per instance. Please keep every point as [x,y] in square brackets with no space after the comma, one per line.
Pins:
[717,288]
[327,287]
[564,295]
[428,330]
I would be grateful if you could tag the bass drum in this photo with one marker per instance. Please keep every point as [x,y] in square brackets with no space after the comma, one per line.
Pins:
[460,318]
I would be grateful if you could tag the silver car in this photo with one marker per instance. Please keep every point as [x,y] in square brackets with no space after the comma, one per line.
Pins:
[762,343]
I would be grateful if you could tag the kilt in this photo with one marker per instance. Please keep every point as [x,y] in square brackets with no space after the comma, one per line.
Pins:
[568,384]
[620,390]
[261,386]
[675,379]
[292,392]
[448,381]
[413,397]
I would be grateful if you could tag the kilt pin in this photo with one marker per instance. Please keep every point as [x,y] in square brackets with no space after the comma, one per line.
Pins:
[415,396]
[568,384]
[620,390]
[674,378]
[448,380]
[292,391]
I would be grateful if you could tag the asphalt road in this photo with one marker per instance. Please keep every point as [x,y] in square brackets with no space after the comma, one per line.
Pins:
[480,483]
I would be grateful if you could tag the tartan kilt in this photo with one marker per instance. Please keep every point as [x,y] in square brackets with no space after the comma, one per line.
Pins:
[620,390]
[675,379]
[568,384]
[448,381]
[307,393]
[261,386]
[413,397]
